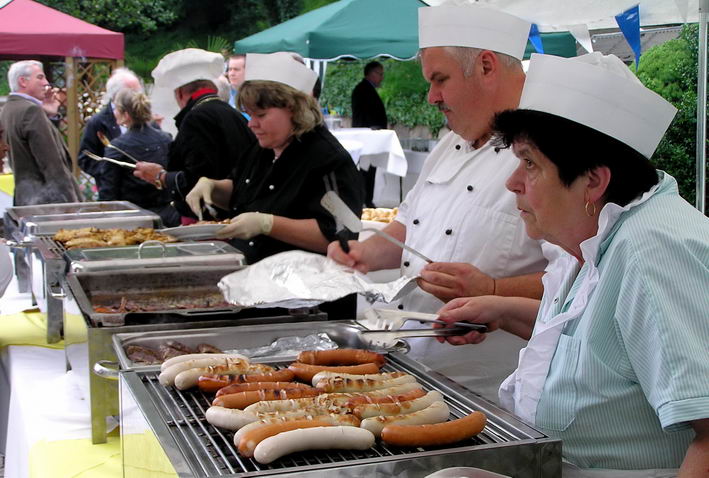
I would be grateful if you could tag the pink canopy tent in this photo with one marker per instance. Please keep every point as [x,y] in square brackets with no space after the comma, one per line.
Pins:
[30,29]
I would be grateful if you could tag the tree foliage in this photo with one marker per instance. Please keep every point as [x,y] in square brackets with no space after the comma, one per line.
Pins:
[670,70]
[119,15]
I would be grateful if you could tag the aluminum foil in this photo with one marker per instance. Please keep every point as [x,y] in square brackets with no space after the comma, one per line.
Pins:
[289,346]
[303,279]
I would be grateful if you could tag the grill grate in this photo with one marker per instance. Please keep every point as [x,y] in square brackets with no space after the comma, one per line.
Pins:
[49,248]
[210,450]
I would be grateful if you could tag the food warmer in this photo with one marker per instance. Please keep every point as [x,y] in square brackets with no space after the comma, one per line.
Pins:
[115,291]
[31,228]
[164,431]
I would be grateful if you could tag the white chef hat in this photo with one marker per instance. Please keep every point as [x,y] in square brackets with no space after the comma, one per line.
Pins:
[598,91]
[281,67]
[473,26]
[185,66]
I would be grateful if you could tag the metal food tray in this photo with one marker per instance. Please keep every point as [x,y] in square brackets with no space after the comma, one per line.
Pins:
[151,255]
[195,281]
[195,448]
[344,332]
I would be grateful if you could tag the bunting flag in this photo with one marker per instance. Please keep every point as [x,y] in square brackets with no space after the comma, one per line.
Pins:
[536,39]
[582,35]
[629,24]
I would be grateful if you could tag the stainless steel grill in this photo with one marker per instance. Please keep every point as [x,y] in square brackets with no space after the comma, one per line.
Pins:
[506,445]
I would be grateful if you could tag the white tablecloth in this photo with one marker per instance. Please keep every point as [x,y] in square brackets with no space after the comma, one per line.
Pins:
[380,148]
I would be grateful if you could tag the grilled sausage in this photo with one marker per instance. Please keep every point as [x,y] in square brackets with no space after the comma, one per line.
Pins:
[437,412]
[391,398]
[189,378]
[249,440]
[304,414]
[340,357]
[168,375]
[260,369]
[184,358]
[212,383]
[319,438]
[338,384]
[437,434]
[397,408]
[244,399]
[370,376]
[252,386]
[305,372]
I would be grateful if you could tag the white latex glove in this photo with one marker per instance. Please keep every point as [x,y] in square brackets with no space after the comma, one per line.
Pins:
[247,225]
[200,193]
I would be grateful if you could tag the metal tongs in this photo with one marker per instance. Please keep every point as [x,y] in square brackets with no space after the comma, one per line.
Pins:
[114,161]
[342,213]
[107,144]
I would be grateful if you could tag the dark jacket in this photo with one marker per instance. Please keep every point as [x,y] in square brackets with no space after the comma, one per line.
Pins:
[211,138]
[119,184]
[38,156]
[293,186]
[105,122]
[367,107]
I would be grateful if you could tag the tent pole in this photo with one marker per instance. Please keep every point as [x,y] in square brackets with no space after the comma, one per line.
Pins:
[72,111]
[702,107]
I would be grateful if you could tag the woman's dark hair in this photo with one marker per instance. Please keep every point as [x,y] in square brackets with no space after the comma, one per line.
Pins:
[576,149]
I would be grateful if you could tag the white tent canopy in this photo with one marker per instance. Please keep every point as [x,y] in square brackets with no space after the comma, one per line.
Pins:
[580,16]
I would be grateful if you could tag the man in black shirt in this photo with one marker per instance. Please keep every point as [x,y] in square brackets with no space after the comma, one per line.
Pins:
[368,111]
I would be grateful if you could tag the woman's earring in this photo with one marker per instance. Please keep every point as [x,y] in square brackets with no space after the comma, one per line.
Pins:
[592,212]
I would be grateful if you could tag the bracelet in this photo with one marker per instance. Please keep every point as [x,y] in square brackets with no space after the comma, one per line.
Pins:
[158,179]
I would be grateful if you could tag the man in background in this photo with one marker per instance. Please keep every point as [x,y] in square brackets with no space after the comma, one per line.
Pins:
[236,68]
[104,122]
[368,112]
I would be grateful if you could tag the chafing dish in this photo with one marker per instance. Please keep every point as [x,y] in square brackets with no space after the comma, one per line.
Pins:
[30,230]
[97,328]
[164,430]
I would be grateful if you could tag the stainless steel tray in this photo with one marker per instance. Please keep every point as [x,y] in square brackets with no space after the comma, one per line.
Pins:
[78,208]
[343,332]
[196,448]
[94,288]
[151,255]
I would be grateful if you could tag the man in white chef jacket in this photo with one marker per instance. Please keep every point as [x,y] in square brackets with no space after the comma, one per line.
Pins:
[459,213]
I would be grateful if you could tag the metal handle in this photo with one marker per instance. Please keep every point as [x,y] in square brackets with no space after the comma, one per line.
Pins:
[151,242]
[60,294]
[18,245]
[106,369]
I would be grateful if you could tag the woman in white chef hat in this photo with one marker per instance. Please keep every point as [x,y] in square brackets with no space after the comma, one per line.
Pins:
[274,193]
[617,365]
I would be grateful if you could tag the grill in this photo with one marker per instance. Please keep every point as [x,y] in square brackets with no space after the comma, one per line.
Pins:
[196,448]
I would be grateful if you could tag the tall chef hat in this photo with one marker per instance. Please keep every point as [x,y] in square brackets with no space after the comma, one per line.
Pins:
[280,67]
[598,91]
[473,26]
[185,66]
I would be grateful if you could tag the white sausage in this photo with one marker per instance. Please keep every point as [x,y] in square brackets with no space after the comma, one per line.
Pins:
[437,412]
[183,358]
[167,376]
[229,418]
[189,378]
[318,438]
[369,410]
[339,384]
[369,376]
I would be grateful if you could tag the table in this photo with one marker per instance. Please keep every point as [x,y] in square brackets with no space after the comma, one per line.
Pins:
[380,148]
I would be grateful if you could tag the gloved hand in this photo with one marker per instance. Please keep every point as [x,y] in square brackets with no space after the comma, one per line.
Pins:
[200,193]
[247,225]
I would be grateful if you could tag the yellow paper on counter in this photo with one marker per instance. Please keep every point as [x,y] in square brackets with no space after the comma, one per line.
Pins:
[76,459]
[7,184]
[25,328]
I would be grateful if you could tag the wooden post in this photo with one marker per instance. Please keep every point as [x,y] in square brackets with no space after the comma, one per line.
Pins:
[72,112]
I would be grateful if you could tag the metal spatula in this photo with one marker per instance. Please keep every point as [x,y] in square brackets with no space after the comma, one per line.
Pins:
[390,319]
[114,161]
[343,213]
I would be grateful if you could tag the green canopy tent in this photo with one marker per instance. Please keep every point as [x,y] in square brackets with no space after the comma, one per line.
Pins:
[363,29]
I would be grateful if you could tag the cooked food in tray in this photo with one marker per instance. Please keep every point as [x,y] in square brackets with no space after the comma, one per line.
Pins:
[379,214]
[150,302]
[170,349]
[89,237]
[223,221]
[332,407]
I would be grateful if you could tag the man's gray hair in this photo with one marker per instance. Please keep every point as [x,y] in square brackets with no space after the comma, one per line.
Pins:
[117,81]
[18,70]
[466,57]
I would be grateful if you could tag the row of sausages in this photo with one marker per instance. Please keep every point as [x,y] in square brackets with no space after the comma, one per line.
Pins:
[342,401]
